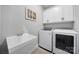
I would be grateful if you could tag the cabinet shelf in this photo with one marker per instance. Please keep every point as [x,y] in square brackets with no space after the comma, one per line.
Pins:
[58,22]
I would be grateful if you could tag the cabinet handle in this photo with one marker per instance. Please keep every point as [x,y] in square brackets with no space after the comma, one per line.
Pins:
[47,21]
[62,18]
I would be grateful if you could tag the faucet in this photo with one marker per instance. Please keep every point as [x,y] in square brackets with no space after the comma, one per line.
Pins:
[19,34]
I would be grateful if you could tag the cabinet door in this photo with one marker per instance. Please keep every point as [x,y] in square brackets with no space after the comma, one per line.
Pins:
[67,13]
[52,15]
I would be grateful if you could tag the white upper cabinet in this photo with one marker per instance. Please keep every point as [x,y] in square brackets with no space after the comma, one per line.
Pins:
[58,14]
[67,13]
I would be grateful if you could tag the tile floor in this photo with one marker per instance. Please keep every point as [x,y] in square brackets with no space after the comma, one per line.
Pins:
[39,50]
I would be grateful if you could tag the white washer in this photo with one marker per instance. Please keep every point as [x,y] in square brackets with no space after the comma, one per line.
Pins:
[46,39]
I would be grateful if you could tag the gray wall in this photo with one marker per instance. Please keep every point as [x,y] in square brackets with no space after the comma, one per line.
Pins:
[3,44]
[76,18]
[14,20]
[34,26]
[65,25]
[0,25]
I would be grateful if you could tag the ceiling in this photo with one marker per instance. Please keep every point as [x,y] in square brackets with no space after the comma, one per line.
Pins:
[47,6]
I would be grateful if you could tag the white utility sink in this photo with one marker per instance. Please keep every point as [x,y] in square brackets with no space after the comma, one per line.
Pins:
[17,42]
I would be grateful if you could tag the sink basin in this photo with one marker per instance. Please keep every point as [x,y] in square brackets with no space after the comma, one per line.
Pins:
[16,40]
[21,44]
